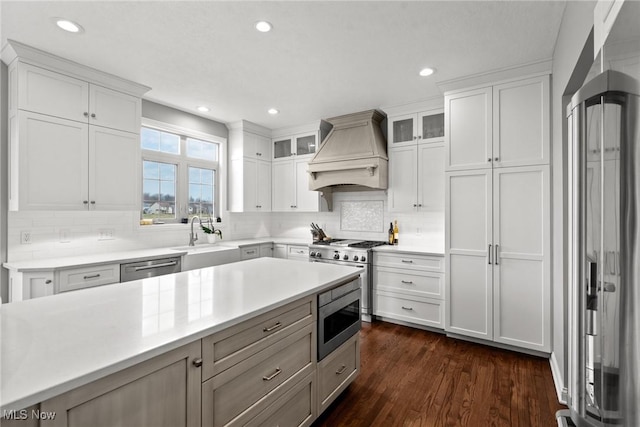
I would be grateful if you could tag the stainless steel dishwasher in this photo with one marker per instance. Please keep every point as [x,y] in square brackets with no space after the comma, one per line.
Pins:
[150,268]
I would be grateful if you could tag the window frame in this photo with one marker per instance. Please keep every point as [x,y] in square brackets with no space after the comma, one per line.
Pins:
[183,163]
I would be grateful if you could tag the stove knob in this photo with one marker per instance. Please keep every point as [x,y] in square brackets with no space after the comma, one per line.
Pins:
[318,255]
[312,253]
[336,256]
[355,258]
[346,257]
[363,259]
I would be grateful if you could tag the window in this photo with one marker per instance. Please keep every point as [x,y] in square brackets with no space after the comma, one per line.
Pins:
[178,175]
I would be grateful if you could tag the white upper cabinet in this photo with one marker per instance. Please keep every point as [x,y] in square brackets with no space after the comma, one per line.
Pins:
[113,109]
[500,126]
[249,171]
[412,128]
[468,129]
[291,187]
[296,145]
[521,123]
[52,163]
[114,169]
[416,162]
[416,178]
[54,94]
[73,141]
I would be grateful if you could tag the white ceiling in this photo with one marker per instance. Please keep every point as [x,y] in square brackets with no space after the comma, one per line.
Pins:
[322,59]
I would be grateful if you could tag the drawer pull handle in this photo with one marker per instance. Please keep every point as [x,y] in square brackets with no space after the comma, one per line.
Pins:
[148,267]
[407,308]
[408,261]
[341,370]
[92,276]
[407,282]
[272,376]
[271,328]
[197,362]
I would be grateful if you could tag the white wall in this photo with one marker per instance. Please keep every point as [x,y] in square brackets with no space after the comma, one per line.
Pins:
[577,23]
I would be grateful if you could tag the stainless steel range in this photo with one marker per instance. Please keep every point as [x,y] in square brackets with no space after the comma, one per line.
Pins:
[356,253]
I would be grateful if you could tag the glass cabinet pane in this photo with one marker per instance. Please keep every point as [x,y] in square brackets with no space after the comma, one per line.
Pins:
[433,126]
[282,148]
[402,130]
[306,145]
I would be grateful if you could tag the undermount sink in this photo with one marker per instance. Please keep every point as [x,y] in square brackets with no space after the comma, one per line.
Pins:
[207,255]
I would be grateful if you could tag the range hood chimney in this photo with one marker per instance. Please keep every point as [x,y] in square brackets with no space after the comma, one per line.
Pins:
[353,157]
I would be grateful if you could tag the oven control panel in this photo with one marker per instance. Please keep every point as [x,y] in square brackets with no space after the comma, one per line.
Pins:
[341,254]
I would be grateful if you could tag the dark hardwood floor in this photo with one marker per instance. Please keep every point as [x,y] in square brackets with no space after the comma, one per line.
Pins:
[411,377]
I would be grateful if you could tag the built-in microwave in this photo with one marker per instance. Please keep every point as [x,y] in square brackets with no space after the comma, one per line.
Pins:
[338,316]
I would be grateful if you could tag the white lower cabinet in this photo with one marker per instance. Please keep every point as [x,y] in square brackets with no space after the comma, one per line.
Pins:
[27,285]
[295,252]
[498,265]
[256,251]
[87,277]
[409,287]
[35,284]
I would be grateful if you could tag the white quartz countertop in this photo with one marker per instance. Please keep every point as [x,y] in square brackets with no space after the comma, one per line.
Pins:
[53,344]
[427,248]
[261,240]
[49,264]
[86,260]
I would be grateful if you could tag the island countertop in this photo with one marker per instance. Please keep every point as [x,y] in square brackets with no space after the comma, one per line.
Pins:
[54,344]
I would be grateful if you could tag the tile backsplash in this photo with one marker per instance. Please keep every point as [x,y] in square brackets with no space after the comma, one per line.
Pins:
[356,215]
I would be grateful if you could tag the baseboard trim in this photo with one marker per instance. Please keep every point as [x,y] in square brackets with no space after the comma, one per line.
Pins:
[561,389]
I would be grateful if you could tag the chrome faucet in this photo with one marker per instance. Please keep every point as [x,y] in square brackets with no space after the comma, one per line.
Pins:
[193,237]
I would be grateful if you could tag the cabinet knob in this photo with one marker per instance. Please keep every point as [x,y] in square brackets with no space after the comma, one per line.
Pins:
[86,202]
[197,362]
[48,281]
[489,159]
[85,114]
[495,159]
[93,115]
[93,202]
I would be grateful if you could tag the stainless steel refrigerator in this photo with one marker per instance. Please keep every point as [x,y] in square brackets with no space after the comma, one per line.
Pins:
[604,312]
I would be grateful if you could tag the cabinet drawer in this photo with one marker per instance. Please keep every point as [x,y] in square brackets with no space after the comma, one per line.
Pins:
[223,350]
[410,261]
[298,252]
[428,312]
[86,277]
[250,386]
[410,282]
[337,370]
[249,252]
[295,408]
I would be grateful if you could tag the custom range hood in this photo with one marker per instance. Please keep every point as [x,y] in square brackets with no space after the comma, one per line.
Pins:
[353,157]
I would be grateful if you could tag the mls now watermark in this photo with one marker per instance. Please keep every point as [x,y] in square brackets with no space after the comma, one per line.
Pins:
[24,414]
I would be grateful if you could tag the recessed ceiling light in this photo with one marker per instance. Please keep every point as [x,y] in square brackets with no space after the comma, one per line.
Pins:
[203,109]
[427,72]
[263,26]
[273,111]
[69,26]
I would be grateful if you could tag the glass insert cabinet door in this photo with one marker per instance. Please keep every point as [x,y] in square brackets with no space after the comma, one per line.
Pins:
[282,148]
[298,145]
[419,127]
[305,145]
